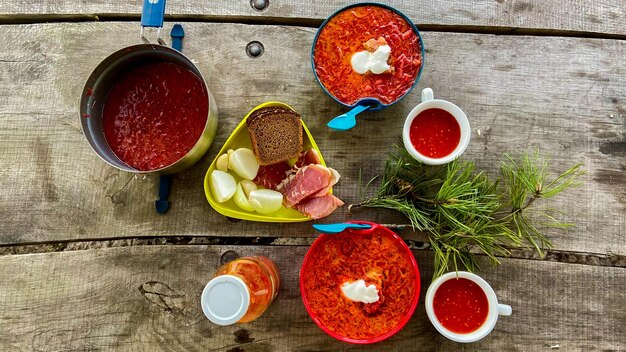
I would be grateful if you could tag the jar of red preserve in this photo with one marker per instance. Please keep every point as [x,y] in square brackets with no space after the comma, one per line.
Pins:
[241,290]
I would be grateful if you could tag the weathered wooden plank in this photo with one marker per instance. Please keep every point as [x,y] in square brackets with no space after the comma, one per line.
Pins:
[605,16]
[562,95]
[147,298]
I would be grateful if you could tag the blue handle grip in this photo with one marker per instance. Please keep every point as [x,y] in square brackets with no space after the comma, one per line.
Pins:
[177,34]
[153,13]
[162,204]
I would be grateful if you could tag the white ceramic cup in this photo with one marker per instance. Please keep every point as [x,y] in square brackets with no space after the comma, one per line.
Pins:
[429,102]
[495,308]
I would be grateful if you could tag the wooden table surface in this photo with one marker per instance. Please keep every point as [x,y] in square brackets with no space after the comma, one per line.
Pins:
[86,264]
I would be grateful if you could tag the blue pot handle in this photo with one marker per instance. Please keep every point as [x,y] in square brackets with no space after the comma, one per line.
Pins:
[177,34]
[162,204]
[152,16]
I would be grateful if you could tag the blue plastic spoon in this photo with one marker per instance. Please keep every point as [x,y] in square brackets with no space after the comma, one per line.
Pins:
[331,229]
[346,121]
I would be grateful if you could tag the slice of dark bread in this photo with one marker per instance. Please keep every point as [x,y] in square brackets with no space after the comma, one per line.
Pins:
[275,133]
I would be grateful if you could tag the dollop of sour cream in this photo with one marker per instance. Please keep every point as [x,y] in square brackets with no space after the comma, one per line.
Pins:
[357,291]
[375,62]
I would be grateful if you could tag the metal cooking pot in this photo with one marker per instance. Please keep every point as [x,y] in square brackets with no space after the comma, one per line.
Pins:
[110,70]
[347,121]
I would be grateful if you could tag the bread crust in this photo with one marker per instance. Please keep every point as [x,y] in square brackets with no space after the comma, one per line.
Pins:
[276,134]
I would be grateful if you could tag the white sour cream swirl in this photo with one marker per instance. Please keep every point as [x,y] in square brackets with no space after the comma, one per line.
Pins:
[357,291]
[375,62]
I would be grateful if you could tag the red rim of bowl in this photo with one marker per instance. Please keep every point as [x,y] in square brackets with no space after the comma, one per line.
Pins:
[405,319]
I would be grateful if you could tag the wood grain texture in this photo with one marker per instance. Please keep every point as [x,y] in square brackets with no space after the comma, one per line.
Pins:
[146,298]
[564,96]
[603,16]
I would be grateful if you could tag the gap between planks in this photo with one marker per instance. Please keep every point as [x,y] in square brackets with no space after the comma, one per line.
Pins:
[592,259]
[303,22]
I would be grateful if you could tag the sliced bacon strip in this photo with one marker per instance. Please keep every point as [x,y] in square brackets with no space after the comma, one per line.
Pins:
[307,181]
[308,157]
[334,178]
[319,207]
[270,176]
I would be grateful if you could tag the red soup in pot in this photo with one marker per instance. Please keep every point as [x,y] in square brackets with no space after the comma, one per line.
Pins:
[155,114]
[460,305]
[435,133]
[377,258]
[354,30]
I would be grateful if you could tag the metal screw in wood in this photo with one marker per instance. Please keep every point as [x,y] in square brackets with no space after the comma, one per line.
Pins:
[259,5]
[228,256]
[255,49]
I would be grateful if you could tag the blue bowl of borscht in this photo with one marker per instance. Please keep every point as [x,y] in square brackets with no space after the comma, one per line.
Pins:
[366,27]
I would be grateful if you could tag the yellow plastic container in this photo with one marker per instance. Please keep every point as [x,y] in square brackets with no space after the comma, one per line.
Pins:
[241,139]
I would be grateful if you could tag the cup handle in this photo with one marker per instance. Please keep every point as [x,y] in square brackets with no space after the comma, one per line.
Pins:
[427,94]
[504,309]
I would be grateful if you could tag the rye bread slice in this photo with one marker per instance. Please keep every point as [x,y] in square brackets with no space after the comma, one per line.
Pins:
[276,134]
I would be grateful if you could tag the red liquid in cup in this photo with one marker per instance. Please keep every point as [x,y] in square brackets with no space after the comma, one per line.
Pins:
[460,305]
[435,133]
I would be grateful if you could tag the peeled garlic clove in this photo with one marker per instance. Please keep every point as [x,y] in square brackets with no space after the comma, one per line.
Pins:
[243,162]
[222,163]
[241,199]
[248,186]
[223,185]
[266,201]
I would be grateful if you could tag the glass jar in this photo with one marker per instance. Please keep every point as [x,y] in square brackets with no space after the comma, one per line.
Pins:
[241,290]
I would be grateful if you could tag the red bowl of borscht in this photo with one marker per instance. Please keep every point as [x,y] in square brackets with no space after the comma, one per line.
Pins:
[378,258]
[365,28]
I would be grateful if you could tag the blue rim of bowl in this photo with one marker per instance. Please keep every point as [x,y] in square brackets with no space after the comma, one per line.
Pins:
[368,100]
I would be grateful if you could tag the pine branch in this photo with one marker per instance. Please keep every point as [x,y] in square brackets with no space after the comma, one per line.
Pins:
[464,211]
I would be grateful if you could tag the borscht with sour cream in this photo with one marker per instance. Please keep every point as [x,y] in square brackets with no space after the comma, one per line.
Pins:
[379,259]
[155,114]
[349,60]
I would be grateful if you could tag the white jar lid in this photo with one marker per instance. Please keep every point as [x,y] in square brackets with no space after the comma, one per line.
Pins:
[225,299]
